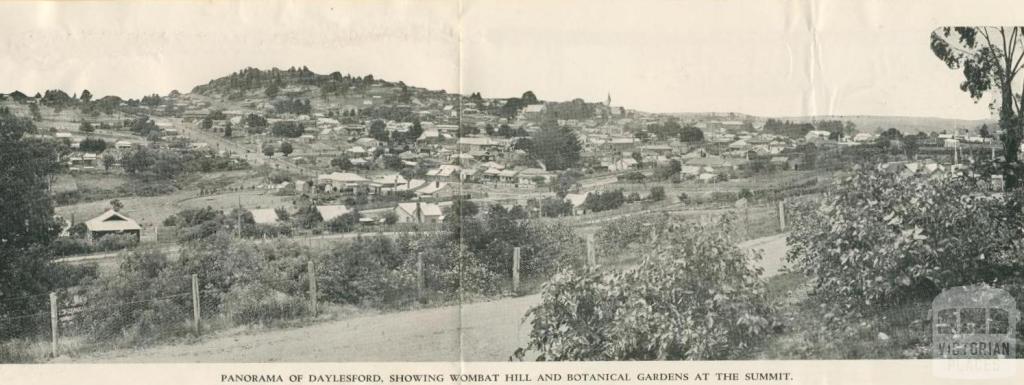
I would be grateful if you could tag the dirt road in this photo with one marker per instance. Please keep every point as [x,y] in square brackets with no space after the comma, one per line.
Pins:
[483,331]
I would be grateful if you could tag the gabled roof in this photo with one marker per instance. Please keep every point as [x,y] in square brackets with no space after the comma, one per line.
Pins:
[112,220]
[329,212]
[264,216]
[427,209]
[344,177]
[577,200]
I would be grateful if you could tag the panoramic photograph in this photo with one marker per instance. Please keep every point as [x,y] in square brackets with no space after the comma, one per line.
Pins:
[485,181]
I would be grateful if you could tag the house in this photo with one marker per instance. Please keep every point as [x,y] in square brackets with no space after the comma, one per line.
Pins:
[329,212]
[417,212]
[264,216]
[624,164]
[436,189]
[707,178]
[112,222]
[577,201]
[123,144]
[534,176]
[814,135]
[444,172]
[343,181]
[533,111]
[477,143]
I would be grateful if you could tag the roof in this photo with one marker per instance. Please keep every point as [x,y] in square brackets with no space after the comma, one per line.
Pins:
[264,216]
[412,184]
[389,179]
[534,108]
[332,211]
[577,199]
[478,141]
[345,177]
[432,188]
[427,209]
[112,220]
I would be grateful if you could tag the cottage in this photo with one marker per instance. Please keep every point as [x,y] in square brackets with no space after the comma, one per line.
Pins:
[577,201]
[436,189]
[417,212]
[112,222]
[343,181]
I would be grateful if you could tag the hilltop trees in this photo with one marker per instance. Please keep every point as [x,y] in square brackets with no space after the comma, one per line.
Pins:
[991,59]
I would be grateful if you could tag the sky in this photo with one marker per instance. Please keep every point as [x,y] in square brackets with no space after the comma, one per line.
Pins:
[767,58]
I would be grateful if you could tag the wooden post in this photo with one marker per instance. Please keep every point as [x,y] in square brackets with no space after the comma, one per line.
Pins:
[312,288]
[196,308]
[591,257]
[515,270]
[419,276]
[54,320]
[782,215]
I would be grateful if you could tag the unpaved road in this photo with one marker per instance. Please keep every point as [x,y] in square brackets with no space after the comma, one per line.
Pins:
[482,331]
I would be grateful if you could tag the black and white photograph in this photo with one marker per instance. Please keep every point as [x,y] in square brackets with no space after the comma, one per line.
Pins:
[197,182]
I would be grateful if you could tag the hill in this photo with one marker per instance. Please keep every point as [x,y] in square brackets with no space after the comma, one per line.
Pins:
[906,124]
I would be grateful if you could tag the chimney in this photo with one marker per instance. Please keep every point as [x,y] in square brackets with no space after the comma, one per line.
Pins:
[437,184]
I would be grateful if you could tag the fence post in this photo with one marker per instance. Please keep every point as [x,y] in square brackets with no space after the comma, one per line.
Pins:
[312,288]
[591,257]
[54,320]
[196,315]
[515,270]
[782,215]
[419,276]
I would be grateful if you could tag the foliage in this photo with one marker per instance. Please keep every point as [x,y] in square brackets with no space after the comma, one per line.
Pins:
[693,296]
[93,145]
[894,235]
[990,58]
[558,148]
[600,201]
[286,129]
[555,207]
[657,194]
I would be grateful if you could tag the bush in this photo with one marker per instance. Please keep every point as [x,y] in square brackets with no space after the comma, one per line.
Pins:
[881,237]
[694,296]
[113,242]
[255,303]
[657,194]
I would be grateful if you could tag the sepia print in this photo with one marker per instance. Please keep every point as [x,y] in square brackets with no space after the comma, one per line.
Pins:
[484,181]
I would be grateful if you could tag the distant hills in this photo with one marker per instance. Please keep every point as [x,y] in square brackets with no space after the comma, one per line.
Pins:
[906,124]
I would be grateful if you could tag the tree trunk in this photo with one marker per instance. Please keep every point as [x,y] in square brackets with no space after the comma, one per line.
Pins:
[1011,137]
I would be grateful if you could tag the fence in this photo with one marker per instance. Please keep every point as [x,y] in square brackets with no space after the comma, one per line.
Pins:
[74,321]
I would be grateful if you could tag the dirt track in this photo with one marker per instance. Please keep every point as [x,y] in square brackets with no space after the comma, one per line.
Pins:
[483,331]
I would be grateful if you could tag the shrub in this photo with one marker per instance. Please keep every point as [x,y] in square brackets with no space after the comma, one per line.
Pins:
[890,236]
[657,193]
[112,242]
[255,303]
[694,296]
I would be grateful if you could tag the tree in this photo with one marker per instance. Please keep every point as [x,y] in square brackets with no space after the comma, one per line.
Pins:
[27,225]
[286,148]
[86,127]
[558,148]
[378,130]
[86,96]
[116,205]
[108,161]
[991,58]
[207,123]
[691,134]
[271,90]
[983,131]
[528,98]
[287,129]
[268,150]
[342,163]
[415,131]
[227,130]
[93,145]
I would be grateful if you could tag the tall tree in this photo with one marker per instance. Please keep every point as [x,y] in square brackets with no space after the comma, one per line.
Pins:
[991,58]
[558,148]
[27,225]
